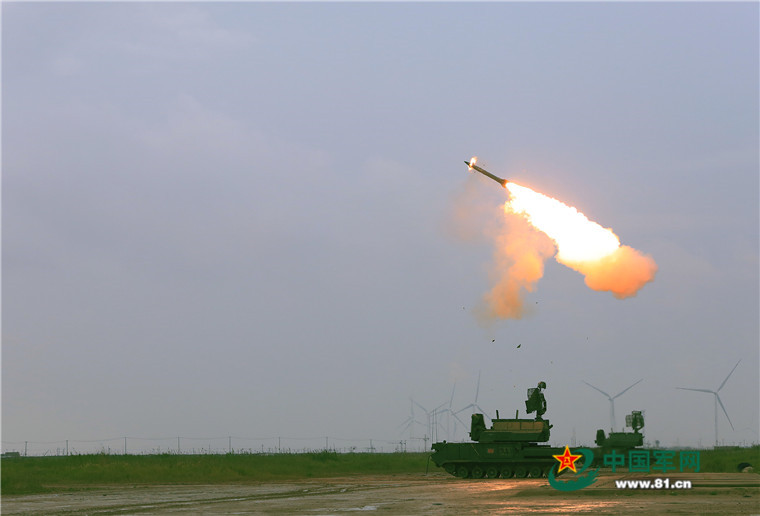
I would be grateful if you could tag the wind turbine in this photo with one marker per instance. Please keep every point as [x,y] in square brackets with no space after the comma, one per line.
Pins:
[409,422]
[474,404]
[432,423]
[717,401]
[450,413]
[612,402]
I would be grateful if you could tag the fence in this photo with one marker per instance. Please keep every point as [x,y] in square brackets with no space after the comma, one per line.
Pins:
[212,445]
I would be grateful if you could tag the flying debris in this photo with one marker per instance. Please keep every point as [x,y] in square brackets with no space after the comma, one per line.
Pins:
[471,164]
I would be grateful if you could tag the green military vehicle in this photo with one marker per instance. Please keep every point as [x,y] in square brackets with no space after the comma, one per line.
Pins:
[621,442]
[510,448]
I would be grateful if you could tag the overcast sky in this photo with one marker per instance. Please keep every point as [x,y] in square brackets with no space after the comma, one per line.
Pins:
[239,219]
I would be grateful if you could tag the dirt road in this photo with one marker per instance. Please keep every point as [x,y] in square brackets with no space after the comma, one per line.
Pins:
[436,493]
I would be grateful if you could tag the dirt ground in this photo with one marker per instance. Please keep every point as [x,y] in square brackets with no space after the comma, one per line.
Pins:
[435,493]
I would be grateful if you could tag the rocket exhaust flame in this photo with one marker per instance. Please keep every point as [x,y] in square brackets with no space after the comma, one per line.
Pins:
[578,239]
[584,245]
[581,244]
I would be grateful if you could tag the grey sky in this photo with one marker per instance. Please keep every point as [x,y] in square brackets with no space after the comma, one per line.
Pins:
[236,219]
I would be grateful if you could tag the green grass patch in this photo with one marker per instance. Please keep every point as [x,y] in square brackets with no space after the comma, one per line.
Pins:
[726,460]
[27,475]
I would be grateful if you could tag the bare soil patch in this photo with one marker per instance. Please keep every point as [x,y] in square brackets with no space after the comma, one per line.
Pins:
[435,493]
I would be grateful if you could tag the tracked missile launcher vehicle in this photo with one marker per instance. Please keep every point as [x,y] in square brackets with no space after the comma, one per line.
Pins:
[621,442]
[510,448]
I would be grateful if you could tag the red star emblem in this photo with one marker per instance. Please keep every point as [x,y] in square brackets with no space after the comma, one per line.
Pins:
[567,460]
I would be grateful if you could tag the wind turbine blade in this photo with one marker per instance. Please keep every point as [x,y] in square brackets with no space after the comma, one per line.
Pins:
[699,390]
[465,408]
[482,411]
[460,421]
[452,394]
[598,389]
[623,391]
[724,410]
[439,406]
[406,422]
[477,389]
[423,408]
[729,374]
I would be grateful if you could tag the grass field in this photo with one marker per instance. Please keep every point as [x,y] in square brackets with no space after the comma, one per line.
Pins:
[28,475]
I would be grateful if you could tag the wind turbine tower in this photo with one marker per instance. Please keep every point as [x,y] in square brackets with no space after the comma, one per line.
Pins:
[717,401]
[474,405]
[449,411]
[612,401]
[432,422]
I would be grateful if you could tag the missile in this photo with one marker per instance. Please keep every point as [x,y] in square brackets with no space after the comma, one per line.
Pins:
[472,165]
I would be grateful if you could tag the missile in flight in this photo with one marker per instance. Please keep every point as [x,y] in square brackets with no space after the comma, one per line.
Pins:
[471,164]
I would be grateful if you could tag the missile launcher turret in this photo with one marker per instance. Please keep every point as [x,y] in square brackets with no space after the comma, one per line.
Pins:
[510,447]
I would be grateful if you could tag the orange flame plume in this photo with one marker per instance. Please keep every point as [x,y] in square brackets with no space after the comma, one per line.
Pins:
[535,227]
[584,245]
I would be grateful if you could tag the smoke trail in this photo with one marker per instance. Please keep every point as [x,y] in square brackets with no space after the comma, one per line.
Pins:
[519,257]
